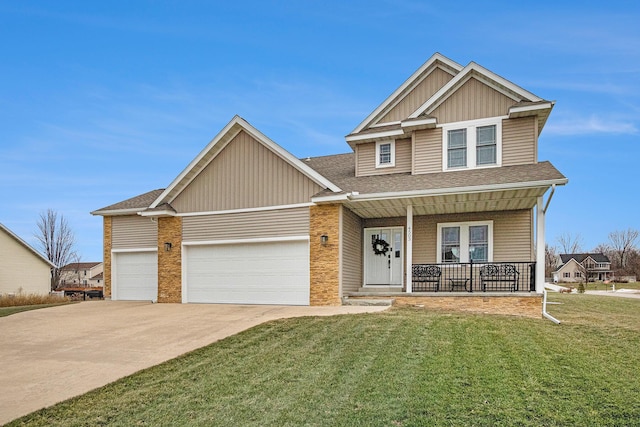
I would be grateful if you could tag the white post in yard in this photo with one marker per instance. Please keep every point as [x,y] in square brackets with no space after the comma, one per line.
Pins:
[540,246]
[409,250]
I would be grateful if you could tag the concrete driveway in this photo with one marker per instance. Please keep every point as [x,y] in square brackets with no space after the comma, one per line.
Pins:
[52,354]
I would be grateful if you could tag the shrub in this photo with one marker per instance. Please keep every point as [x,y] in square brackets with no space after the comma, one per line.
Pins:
[19,299]
[581,288]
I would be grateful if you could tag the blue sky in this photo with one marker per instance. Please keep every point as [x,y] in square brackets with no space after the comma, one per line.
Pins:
[102,101]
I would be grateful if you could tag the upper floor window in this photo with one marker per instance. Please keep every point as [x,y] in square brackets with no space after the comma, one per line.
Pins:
[385,154]
[471,144]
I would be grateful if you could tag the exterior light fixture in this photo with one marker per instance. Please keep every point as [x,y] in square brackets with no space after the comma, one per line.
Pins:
[324,239]
[167,246]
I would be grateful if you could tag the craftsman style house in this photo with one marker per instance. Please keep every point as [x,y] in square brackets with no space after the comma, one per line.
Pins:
[441,194]
[583,267]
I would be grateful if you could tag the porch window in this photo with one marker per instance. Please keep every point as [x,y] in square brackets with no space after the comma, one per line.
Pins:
[465,242]
[385,154]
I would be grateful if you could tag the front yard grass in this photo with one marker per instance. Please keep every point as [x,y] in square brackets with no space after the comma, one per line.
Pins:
[7,311]
[403,367]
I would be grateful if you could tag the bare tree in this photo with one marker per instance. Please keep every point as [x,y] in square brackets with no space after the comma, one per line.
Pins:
[550,260]
[622,242]
[569,243]
[57,241]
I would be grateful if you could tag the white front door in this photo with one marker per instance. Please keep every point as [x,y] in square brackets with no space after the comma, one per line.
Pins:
[383,249]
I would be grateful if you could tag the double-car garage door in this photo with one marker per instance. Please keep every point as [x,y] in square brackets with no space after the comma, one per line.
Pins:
[248,273]
[271,272]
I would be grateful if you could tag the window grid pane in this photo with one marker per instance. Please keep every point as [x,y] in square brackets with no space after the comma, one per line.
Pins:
[385,153]
[486,145]
[479,243]
[450,244]
[457,148]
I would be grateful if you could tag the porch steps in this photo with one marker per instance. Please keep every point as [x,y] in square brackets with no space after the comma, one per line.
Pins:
[367,302]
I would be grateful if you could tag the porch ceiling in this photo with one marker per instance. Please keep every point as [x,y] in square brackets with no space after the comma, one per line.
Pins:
[514,199]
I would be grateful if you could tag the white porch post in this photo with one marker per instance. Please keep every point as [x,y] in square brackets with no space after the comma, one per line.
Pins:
[409,250]
[540,244]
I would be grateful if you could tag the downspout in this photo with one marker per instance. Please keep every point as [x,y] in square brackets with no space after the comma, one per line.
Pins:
[544,308]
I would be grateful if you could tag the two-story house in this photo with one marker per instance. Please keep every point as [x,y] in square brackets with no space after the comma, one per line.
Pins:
[588,267]
[84,274]
[441,194]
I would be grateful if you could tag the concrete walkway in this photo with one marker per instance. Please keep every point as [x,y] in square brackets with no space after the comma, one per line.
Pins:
[52,354]
[621,293]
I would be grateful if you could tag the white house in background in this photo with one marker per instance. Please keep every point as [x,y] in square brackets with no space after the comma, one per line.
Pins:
[88,274]
[575,266]
[22,268]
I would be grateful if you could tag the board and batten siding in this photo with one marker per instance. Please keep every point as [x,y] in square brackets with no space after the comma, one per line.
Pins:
[351,251]
[366,158]
[418,96]
[473,100]
[133,232]
[427,151]
[246,225]
[512,234]
[245,174]
[519,141]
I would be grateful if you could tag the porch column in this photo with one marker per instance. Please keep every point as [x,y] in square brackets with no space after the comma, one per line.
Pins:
[409,250]
[540,246]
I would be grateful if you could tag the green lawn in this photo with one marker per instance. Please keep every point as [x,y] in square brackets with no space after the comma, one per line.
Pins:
[403,367]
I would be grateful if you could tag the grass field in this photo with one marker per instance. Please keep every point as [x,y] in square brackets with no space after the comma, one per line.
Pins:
[403,367]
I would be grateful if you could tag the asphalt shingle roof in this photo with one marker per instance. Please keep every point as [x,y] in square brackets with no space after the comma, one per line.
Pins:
[141,202]
[597,257]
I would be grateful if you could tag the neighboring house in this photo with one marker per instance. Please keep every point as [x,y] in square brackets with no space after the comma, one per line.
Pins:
[88,274]
[443,179]
[575,267]
[22,268]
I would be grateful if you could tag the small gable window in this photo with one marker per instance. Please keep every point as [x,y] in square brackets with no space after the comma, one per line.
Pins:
[385,154]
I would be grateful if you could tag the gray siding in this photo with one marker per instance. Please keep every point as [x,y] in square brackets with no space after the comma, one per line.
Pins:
[133,231]
[366,158]
[245,174]
[519,141]
[418,96]
[512,234]
[473,100]
[351,251]
[246,225]
[428,151]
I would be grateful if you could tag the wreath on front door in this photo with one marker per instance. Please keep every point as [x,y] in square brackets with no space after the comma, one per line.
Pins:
[380,247]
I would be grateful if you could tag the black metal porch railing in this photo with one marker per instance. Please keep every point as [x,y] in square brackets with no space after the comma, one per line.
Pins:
[474,277]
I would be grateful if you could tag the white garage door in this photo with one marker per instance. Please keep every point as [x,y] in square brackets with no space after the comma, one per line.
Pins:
[248,273]
[135,276]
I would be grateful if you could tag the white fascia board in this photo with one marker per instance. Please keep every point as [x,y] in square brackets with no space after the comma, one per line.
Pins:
[247,210]
[526,108]
[115,212]
[457,190]
[420,122]
[331,198]
[375,135]
[162,213]
[245,241]
[446,90]
[27,246]
[435,57]
[240,124]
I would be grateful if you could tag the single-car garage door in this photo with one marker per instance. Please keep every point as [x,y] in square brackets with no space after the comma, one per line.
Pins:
[135,276]
[248,273]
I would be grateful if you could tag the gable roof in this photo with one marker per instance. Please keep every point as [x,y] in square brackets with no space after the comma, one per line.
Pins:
[597,257]
[216,145]
[437,59]
[525,102]
[80,265]
[26,245]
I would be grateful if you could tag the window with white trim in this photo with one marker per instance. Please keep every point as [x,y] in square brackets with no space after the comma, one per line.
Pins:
[566,274]
[385,154]
[472,144]
[465,242]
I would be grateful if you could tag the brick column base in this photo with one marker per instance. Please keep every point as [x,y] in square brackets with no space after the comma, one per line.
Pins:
[324,258]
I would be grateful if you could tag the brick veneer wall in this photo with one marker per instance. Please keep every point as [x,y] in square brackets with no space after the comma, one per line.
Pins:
[170,262]
[106,236]
[527,306]
[324,259]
